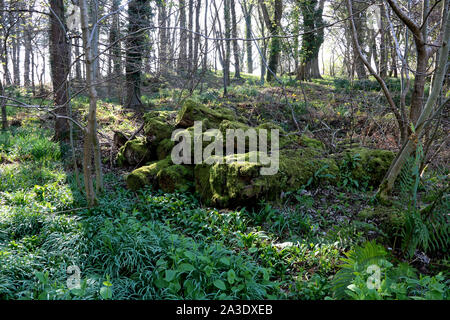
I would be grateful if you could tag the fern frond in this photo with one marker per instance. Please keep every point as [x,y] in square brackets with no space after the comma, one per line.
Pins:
[357,260]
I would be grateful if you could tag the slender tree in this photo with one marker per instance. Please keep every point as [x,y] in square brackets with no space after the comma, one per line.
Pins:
[182,57]
[227,54]
[247,8]
[234,33]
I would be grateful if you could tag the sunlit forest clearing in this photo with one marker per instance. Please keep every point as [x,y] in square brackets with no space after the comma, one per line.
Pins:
[100,199]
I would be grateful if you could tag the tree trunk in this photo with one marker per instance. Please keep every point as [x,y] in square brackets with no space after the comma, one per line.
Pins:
[274,26]
[4,46]
[263,46]
[197,35]
[359,20]
[93,16]
[3,107]
[135,45]
[227,54]
[205,57]
[90,138]
[27,42]
[248,8]
[237,68]
[76,48]
[423,120]
[114,36]
[59,65]
[190,38]
[15,56]
[312,39]
[383,53]
[162,22]
[182,58]
[419,84]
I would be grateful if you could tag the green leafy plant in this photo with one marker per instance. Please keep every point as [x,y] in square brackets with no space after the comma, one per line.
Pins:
[367,275]
[348,164]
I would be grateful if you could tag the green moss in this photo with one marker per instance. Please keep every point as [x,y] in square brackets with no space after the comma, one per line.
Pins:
[202,184]
[163,115]
[193,111]
[390,219]
[157,130]
[228,124]
[373,164]
[241,183]
[286,140]
[164,149]
[310,142]
[133,152]
[147,175]
[175,177]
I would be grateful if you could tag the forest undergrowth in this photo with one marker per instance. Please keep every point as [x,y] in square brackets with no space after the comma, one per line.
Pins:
[318,243]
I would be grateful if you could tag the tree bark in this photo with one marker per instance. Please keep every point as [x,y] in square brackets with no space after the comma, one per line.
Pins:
[182,58]
[59,65]
[248,8]
[27,45]
[237,67]
[135,44]
[383,53]
[312,39]
[190,37]
[3,107]
[359,20]
[423,120]
[274,26]
[227,54]
[90,138]
[205,57]
[197,35]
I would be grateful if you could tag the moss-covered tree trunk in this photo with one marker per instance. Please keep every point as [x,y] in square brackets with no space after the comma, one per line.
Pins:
[274,25]
[137,13]
[312,39]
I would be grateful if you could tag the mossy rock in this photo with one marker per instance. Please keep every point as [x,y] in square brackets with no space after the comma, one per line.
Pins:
[372,166]
[311,142]
[192,111]
[290,140]
[229,124]
[133,152]
[147,175]
[176,177]
[159,125]
[164,149]
[162,175]
[241,183]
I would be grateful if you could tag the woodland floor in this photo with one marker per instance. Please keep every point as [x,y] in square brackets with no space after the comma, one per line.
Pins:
[152,245]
